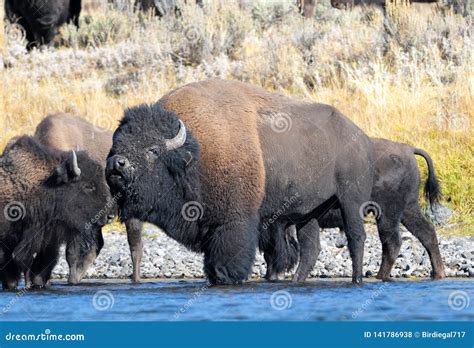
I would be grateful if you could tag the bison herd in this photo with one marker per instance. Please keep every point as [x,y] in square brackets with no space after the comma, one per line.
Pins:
[259,166]
[41,19]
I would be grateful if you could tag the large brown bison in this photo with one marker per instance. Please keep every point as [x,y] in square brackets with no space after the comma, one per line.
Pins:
[42,18]
[394,200]
[212,161]
[66,132]
[47,198]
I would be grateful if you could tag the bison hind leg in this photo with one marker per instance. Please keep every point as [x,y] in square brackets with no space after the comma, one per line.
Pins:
[229,251]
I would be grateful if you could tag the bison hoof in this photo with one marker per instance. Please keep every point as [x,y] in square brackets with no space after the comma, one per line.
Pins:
[9,285]
[437,276]
[383,277]
[357,280]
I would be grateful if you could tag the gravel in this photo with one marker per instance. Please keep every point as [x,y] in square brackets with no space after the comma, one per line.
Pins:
[165,258]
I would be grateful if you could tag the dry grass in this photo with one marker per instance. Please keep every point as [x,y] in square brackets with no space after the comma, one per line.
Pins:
[416,86]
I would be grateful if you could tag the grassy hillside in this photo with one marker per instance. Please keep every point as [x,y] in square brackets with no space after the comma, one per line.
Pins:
[415,85]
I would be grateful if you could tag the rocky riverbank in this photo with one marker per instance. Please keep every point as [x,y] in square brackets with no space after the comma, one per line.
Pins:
[165,258]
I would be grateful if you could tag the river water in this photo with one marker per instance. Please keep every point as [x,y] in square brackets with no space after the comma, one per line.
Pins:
[451,299]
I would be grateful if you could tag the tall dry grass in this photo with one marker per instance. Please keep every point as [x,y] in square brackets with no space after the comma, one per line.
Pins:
[415,85]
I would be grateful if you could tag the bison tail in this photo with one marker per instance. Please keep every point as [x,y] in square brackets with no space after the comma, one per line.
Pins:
[432,187]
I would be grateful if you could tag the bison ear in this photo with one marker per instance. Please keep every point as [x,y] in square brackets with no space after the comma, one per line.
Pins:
[68,170]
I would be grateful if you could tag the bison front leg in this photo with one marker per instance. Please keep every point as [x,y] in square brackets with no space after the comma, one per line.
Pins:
[354,227]
[10,275]
[310,247]
[134,237]
[43,265]
[229,252]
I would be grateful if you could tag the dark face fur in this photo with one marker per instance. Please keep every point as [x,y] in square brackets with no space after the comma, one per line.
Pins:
[81,253]
[81,200]
[83,207]
[152,179]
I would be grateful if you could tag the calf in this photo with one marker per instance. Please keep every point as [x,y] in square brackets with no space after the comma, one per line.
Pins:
[47,197]
[66,132]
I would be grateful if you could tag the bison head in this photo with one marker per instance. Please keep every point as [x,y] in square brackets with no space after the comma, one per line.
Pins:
[152,166]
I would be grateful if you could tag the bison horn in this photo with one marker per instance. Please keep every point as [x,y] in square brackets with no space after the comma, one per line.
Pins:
[178,140]
[75,167]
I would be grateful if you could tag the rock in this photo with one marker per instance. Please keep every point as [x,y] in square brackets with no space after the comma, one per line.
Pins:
[468,255]
[165,258]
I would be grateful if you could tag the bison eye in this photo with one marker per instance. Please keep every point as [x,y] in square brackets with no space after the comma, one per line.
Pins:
[89,188]
[154,151]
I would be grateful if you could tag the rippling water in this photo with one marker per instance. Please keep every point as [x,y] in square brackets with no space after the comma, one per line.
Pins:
[193,300]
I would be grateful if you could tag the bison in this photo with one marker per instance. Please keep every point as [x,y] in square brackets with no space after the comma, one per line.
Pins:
[47,197]
[66,132]
[394,200]
[347,4]
[210,163]
[161,8]
[42,18]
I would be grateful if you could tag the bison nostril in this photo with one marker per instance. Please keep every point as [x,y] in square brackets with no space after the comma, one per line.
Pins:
[120,163]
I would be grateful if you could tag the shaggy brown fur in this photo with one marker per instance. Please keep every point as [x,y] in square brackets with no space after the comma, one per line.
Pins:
[224,123]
